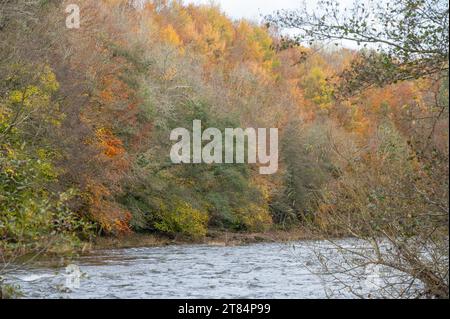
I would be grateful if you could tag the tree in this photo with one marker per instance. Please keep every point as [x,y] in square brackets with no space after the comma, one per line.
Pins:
[387,193]
[405,40]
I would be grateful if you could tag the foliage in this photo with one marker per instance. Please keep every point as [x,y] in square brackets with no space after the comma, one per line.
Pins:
[184,220]
[30,210]
[383,196]
[404,40]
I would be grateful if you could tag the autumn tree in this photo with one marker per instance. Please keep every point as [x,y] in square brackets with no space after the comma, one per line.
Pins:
[406,39]
[382,193]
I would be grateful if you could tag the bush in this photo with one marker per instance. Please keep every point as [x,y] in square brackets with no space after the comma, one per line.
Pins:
[184,220]
[254,218]
[30,212]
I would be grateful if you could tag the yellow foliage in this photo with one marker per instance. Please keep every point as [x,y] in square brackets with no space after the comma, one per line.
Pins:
[255,218]
[183,219]
[317,89]
[170,35]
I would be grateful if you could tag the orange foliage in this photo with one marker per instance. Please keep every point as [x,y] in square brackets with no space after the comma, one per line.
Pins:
[122,226]
[112,146]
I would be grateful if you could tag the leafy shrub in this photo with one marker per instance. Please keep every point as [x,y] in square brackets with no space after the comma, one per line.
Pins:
[254,218]
[29,211]
[183,219]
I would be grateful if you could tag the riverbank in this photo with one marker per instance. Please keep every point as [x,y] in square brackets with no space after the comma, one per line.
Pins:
[62,248]
[213,238]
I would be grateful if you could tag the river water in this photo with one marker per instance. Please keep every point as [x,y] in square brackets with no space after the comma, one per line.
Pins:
[265,270]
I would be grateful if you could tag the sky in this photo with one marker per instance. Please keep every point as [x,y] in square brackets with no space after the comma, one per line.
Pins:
[250,9]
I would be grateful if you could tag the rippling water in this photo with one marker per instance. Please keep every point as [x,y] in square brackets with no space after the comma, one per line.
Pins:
[190,271]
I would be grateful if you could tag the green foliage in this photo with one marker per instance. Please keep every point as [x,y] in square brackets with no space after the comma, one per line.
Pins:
[30,211]
[224,192]
[254,218]
[182,219]
[308,167]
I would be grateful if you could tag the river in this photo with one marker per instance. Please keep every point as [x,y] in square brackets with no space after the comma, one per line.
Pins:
[265,270]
